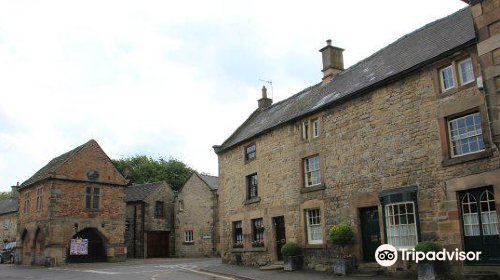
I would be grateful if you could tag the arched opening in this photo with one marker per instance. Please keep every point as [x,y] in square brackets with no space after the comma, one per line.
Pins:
[88,245]
[24,254]
[37,247]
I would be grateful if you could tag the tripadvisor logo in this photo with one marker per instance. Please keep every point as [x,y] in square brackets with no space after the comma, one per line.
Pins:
[387,255]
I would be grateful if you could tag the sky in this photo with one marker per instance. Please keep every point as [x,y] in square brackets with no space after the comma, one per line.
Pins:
[168,78]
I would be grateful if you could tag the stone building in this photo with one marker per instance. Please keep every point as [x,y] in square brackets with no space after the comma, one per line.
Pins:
[8,219]
[73,210]
[196,217]
[149,226]
[403,146]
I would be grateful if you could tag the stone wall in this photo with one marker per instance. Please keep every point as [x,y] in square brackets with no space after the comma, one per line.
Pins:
[198,216]
[388,138]
[8,233]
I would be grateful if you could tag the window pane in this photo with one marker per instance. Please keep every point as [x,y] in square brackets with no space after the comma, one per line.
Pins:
[467,138]
[466,71]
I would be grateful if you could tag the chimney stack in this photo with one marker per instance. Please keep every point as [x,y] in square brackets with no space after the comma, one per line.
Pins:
[333,61]
[14,193]
[264,102]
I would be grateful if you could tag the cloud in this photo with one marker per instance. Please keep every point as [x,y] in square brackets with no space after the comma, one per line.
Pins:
[167,78]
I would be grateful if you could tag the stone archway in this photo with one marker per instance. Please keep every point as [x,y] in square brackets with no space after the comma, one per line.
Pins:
[96,246]
[24,257]
[37,247]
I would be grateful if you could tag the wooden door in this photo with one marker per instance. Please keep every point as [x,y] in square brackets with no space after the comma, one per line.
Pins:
[158,244]
[279,229]
[370,232]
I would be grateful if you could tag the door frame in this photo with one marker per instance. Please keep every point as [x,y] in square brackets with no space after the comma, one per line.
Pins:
[275,239]
[360,211]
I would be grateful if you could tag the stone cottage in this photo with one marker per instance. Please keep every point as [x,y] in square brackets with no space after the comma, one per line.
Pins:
[8,219]
[403,146]
[149,225]
[73,210]
[196,217]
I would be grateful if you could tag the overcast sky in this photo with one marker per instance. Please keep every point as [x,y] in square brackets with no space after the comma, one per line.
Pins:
[168,78]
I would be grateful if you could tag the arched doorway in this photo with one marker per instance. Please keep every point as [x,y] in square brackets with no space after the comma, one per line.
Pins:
[37,247]
[91,247]
[24,256]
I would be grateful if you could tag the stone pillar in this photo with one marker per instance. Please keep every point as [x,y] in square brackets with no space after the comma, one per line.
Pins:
[486,14]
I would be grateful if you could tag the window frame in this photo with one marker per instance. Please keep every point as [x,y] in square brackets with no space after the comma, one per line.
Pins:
[246,153]
[157,203]
[27,202]
[460,73]
[258,236]
[188,236]
[441,79]
[92,198]
[449,135]
[315,128]
[181,205]
[305,130]
[305,165]
[39,198]
[249,186]
[319,225]
[238,237]
[388,226]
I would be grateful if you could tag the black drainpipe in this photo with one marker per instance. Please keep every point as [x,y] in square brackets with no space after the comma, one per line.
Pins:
[143,228]
[135,225]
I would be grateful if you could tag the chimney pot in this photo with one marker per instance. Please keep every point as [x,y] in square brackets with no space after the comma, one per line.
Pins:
[333,61]
[264,92]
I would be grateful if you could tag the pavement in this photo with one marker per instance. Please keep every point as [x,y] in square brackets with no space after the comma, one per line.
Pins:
[158,269]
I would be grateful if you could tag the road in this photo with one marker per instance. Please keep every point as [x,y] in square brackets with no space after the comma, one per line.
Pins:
[149,269]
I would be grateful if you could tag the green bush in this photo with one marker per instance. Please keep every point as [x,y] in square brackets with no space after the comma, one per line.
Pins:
[341,234]
[428,246]
[291,249]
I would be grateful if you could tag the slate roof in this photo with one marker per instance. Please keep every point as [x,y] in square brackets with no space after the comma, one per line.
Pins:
[404,55]
[8,205]
[139,192]
[212,181]
[49,170]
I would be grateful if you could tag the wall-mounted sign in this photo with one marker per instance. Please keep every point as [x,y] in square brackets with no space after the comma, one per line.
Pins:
[207,236]
[79,246]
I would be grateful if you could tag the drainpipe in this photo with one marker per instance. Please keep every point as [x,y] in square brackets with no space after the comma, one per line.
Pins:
[143,228]
[135,225]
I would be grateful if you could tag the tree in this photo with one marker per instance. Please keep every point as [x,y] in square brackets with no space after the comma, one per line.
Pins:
[143,169]
[4,195]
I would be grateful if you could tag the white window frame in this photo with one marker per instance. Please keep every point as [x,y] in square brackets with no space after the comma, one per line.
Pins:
[389,226]
[306,171]
[315,128]
[188,236]
[461,74]
[316,224]
[441,79]
[305,130]
[450,135]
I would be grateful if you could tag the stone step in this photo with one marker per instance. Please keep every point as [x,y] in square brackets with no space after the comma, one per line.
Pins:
[363,265]
[366,272]
[272,267]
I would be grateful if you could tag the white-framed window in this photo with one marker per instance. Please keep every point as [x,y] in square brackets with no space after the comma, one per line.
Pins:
[470,216]
[447,78]
[305,130]
[312,176]
[489,216]
[314,229]
[315,128]
[466,135]
[466,71]
[188,236]
[401,224]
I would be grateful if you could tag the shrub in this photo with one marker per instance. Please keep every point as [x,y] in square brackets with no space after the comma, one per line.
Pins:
[341,234]
[428,246]
[291,249]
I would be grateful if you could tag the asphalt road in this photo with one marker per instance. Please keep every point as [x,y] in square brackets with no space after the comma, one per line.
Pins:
[150,269]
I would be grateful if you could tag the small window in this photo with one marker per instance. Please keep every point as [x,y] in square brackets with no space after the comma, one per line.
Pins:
[238,233]
[466,135]
[315,128]
[92,197]
[252,186]
[159,209]
[39,196]
[447,78]
[127,225]
[305,130]
[401,224]
[6,224]
[466,71]
[250,152]
[314,229]
[181,205]
[188,236]
[27,202]
[311,171]
[258,231]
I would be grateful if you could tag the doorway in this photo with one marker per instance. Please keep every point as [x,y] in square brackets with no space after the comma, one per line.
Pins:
[90,247]
[479,220]
[158,244]
[370,232]
[280,233]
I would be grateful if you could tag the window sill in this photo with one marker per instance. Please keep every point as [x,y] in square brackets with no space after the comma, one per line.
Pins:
[313,188]
[187,243]
[314,246]
[466,158]
[252,200]
[242,250]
